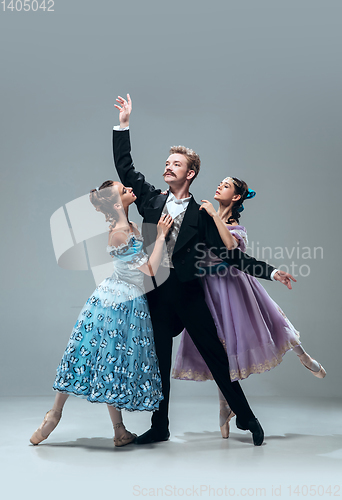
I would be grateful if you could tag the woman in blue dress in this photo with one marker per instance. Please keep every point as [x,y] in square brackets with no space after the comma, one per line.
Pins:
[110,357]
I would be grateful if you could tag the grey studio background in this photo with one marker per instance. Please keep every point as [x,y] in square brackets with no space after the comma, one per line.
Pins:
[252,86]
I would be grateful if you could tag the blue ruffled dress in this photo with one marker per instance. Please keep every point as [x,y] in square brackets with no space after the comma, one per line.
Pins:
[110,357]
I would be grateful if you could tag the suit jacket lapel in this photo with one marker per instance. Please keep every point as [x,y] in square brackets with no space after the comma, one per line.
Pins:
[189,226]
[153,212]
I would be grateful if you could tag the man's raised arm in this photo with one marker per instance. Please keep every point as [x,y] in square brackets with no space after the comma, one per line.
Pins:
[123,160]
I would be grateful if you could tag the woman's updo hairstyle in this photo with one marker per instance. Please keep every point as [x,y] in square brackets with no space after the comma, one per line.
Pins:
[104,199]
[241,188]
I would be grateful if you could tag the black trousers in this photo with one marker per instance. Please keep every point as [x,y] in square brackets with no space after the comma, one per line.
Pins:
[174,306]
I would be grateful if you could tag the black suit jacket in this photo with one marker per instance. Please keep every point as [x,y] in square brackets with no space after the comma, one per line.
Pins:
[197,228]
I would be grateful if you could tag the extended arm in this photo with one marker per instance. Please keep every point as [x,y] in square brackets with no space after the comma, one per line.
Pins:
[124,162]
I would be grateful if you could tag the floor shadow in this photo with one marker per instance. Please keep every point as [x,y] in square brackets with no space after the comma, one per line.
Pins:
[90,444]
[205,441]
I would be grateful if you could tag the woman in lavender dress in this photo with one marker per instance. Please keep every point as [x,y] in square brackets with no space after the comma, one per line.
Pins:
[253,329]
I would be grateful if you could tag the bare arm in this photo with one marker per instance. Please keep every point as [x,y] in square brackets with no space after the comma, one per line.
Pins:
[164,226]
[227,238]
[119,237]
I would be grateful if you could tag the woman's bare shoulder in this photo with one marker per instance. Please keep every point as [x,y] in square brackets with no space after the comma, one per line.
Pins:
[135,228]
[118,235]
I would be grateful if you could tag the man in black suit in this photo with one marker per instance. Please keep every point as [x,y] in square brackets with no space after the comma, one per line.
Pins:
[178,302]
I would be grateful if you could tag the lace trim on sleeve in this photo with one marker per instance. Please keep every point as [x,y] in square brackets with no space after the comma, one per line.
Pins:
[242,237]
[120,249]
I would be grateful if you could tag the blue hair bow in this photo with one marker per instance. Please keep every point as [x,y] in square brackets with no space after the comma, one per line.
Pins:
[250,194]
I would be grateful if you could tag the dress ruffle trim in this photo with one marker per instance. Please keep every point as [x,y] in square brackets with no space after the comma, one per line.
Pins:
[123,245]
[237,374]
[142,260]
[153,407]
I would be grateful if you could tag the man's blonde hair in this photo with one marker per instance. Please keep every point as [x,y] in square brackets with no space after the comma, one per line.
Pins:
[193,159]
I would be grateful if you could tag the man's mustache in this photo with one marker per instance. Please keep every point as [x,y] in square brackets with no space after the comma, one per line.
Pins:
[169,173]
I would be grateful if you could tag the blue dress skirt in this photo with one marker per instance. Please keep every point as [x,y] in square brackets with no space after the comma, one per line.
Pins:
[110,357]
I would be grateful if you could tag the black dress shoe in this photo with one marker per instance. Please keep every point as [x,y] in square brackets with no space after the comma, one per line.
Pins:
[152,436]
[257,431]
[255,428]
[239,425]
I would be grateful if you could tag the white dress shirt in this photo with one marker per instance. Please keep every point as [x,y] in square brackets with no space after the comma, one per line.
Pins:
[176,207]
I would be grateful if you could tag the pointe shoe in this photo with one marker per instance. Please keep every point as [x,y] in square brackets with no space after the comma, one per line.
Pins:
[127,438]
[225,427]
[321,372]
[49,423]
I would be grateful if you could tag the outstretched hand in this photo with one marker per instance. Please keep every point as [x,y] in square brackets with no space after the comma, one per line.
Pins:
[125,108]
[284,278]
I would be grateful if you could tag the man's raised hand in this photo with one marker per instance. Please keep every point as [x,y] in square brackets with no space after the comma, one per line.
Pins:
[125,108]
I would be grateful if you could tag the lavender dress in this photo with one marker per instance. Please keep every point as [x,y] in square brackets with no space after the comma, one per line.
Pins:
[253,329]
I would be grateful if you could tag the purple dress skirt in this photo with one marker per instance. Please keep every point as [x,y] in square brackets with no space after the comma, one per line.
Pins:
[253,329]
